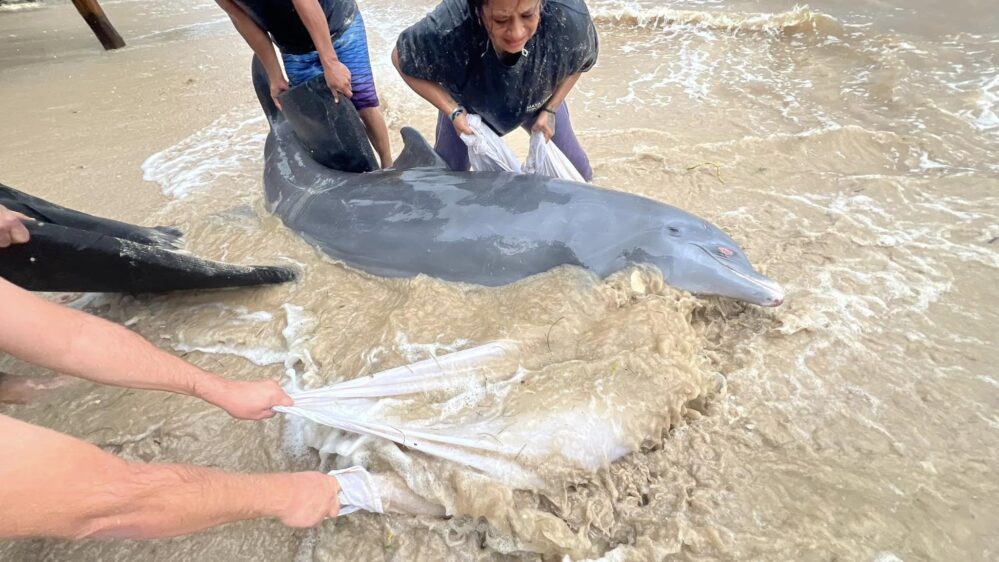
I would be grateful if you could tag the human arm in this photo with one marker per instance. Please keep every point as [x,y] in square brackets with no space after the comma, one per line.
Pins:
[52,485]
[314,19]
[12,230]
[261,44]
[545,122]
[435,94]
[72,342]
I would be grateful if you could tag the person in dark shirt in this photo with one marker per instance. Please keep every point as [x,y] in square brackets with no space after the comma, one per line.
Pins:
[512,62]
[315,37]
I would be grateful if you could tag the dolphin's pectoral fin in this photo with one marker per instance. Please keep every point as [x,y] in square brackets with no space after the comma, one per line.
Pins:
[417,153]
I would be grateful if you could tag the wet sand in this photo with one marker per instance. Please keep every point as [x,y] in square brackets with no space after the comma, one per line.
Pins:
[850,148]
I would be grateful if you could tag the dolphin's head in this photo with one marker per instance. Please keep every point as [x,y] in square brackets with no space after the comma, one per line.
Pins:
[705,261]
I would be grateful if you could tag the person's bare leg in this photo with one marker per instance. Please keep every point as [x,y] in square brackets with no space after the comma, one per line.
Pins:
[377,131]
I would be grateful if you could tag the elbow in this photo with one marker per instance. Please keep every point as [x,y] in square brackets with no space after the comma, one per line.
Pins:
[395,61]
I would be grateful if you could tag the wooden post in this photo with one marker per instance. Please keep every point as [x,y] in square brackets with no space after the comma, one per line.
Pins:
[98,22]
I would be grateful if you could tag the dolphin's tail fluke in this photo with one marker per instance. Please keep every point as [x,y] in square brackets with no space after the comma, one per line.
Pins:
[73,251]
[44,211]
[59,258]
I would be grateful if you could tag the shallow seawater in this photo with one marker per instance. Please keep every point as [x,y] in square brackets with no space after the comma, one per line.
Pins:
[849,147]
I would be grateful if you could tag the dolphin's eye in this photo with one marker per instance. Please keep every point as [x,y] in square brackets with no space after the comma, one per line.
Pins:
[725,251]
[673,231]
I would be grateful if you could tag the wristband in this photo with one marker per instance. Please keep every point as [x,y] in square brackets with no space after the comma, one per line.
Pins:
[457,111]
[546,110]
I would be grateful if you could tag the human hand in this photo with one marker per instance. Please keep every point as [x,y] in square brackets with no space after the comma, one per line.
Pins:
[246,400]
[544,124]
[311,497]
[338,79]
[12,230]
[279,86]
[461,125]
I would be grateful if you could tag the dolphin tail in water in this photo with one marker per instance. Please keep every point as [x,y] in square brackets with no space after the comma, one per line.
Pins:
[43,211]
[74,251]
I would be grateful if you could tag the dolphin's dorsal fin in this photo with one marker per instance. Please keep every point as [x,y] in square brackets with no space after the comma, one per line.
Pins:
[416,153]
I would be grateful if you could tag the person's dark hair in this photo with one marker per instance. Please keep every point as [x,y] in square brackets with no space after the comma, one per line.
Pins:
[475,6]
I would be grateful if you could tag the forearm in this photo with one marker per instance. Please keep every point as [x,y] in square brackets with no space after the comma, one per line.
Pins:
[71,342]
[161,501]
[562,91]
[52,485]
[255,37]
[314,20]
[430,91]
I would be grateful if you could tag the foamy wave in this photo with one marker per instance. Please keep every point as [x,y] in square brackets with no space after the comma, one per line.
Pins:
[986,116]
[797,19]
[221,149]
[18,6]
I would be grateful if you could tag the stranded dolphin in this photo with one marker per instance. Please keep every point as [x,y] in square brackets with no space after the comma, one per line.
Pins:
[487,228]
[73,251]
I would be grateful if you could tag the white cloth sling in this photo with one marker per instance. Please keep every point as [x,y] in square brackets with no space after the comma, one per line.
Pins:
[488,152]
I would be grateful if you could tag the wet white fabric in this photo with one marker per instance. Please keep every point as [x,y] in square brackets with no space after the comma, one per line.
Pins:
[488,152]
[359,406]
[358,491]
[546,159]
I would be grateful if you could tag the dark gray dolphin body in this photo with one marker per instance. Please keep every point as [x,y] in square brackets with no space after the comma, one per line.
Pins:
[487,228]
[73,251]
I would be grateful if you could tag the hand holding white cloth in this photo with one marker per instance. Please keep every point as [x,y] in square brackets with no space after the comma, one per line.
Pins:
[487,152]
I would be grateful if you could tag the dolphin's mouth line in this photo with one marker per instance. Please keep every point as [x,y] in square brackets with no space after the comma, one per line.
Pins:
[766,284]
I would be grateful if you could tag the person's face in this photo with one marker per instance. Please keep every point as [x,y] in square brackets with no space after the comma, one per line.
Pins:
[511,23]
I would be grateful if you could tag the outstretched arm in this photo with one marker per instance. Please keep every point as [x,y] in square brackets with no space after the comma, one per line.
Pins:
[545,121]
[52,485]
[314,19]
[433,93]
[78,344]
[261,44]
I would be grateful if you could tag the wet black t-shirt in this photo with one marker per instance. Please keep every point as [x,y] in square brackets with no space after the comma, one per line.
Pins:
[280,19]
[452,48]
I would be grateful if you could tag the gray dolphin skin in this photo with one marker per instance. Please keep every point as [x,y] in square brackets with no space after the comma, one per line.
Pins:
[74,251]
[486,228]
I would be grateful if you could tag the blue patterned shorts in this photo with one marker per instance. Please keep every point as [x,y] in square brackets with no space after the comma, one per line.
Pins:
[352,50]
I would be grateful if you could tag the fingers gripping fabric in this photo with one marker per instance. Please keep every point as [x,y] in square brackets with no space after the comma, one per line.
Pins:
[488,152]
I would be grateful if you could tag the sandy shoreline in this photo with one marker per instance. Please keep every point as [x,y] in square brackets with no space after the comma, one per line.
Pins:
[852,157]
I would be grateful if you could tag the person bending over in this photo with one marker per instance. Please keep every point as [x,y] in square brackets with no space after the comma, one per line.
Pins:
[512,62]
[315,37]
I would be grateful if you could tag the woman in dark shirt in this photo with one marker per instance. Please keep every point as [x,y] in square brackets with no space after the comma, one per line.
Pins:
[512,62]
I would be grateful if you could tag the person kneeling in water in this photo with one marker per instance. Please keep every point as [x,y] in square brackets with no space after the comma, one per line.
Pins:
[512,62]
[315,37]
[53,485]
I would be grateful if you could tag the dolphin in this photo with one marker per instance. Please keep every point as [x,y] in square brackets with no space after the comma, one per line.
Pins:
[485,228]
[74,251]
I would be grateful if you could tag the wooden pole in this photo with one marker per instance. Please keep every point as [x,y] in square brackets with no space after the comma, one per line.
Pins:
[98,22]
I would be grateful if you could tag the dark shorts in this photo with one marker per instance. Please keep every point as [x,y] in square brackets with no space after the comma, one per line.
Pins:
[352,50]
